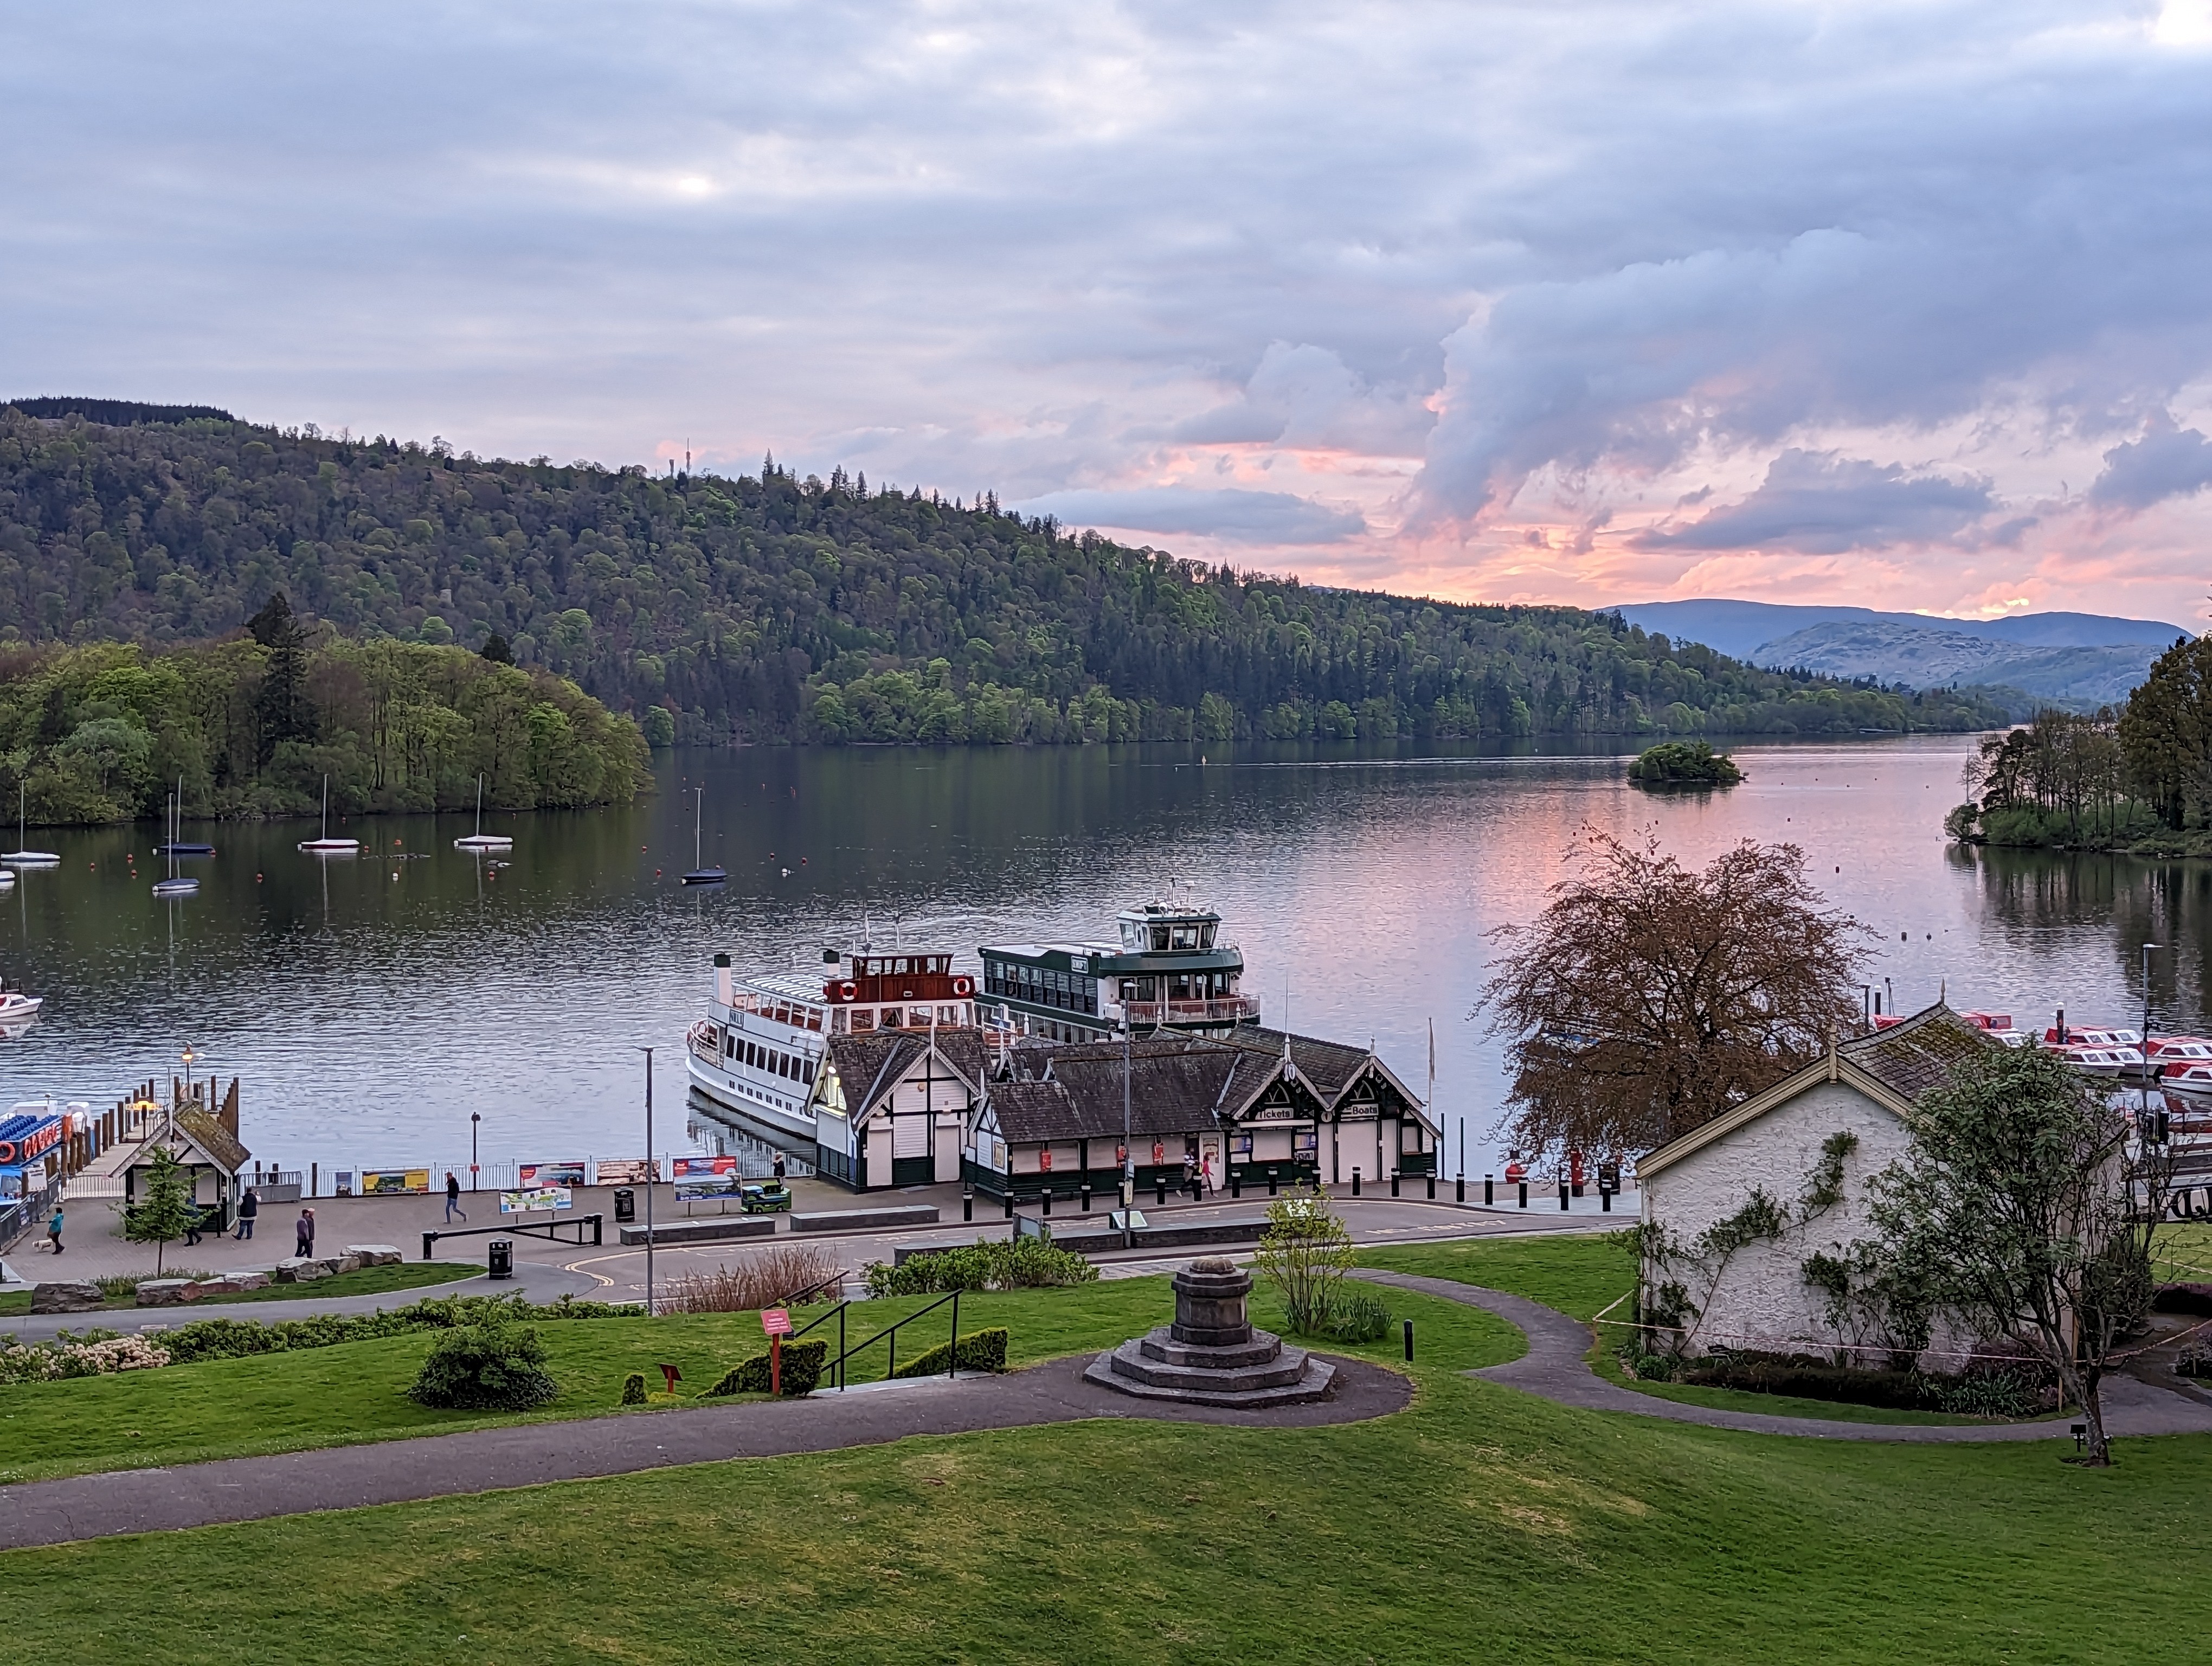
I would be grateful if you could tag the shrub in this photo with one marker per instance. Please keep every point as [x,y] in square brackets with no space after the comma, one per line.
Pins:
[490,1367]
[226,1339]
[1356,1317]
[2194,1360]
[802,1369]
[979,1349]
[633,1389]
[1007,1264]
[759,1280]
[1650,1367]
[99,1355]
[1306,1255]
[1983,1392]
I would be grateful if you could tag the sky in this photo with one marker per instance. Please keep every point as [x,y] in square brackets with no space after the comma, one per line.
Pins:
[1901,304]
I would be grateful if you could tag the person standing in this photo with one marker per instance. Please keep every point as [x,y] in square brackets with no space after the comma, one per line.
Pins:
[303,1232]
[248,1208]
[778,1168]
[54,1231]
[454,1198]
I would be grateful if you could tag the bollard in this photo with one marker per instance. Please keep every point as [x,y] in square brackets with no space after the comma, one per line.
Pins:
[1604,1198]
[1489,1190]
[1271,1183]
[1524,1194]
[1463,1186]
[1009,1200]
[1048,1200]
[1563,1193]
[1355,1182]
[1235,1182]
[1409,1341]
[1433,1189]
[1160,1183]
[968,1204]
[1393,1182]
[1086,1197]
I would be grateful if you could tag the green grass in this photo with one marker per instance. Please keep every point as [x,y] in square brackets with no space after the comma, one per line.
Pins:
[352,1393]
[361,1281]
[1580,1275]
[1480,1521]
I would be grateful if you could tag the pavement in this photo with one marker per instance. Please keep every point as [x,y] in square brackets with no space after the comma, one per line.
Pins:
[535,1454]
[1555,1368]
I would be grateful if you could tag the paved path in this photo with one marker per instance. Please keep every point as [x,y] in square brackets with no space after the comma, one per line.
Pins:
[537,1280]
[533,1454]
[1554,1369]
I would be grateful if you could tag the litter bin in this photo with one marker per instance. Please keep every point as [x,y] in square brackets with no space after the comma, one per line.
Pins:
[625,1203]
[502,1258]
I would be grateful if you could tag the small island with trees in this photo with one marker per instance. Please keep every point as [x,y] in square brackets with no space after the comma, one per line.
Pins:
[1673,765]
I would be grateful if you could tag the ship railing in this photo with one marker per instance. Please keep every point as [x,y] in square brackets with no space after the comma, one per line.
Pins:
[1227,1009]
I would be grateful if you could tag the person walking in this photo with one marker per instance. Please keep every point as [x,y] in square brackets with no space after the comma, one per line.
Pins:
[54,1231]
[248,1208]
[192,1223]
[454,1198]
[778,1168]
[303,1232]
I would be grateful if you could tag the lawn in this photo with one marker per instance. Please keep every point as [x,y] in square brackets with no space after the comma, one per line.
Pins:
[1481,1521]
[352,1393]
[361,1281]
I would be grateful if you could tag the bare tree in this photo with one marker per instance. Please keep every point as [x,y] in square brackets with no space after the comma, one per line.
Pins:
[1648,997]
[2025,1207]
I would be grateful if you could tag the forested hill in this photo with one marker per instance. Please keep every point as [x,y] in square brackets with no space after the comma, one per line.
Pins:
[771,608]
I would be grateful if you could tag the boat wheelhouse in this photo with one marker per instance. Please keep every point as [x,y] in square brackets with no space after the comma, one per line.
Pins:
[759,1049]
[1170,972]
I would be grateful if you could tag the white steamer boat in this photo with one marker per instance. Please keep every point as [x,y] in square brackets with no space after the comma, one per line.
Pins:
[757,1051]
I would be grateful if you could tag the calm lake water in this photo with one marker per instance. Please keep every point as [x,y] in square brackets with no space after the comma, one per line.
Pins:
[370,1006]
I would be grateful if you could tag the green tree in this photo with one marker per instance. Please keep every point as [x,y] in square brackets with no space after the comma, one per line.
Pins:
[2166,734]
[2025,1207]
[165,1210]
[658,726]
[1305,1254]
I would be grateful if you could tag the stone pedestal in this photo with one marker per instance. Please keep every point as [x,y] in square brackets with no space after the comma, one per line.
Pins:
[1211,1355]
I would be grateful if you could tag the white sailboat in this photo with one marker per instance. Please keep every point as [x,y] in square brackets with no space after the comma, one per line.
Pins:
[20,857]
[174,885]
[481,840]
[327,845]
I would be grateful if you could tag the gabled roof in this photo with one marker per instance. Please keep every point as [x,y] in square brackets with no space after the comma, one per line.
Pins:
[213,1141]
[1894,1068]
[1330,1068]
[871,1065]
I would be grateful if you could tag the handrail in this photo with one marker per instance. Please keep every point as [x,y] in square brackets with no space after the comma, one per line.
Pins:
[889,1337]
[548,1230]
[797,1297]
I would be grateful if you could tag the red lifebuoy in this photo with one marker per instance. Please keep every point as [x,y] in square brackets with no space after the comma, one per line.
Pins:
[7,1151]
[847,990]
[1044,1162]
[964,986]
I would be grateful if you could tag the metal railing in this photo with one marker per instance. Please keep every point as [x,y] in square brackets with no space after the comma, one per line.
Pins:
[1225,1009]
[548,1230]
[889,1338]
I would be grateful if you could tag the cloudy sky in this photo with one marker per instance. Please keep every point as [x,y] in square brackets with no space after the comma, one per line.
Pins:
[1901,304]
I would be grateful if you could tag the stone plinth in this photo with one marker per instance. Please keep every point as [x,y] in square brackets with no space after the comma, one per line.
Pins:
[1211,1355]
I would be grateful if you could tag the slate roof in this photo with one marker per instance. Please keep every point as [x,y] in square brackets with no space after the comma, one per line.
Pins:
[870,1066]
[1910,1058]
[220,1145]
[1182,1086]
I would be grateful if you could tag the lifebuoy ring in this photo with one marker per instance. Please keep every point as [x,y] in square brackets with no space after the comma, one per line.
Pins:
[847,990]
[964,986]
[7,1151]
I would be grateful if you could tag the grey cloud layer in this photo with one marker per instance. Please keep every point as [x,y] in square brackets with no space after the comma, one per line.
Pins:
[1055,250]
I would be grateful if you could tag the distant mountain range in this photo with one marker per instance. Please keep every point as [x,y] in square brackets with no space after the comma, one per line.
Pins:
[2069,659]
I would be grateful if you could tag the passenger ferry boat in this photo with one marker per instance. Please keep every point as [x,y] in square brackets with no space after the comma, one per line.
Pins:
[1170,972]
[757,1051]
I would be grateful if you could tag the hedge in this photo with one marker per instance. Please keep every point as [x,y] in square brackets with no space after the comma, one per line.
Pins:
[231,1339]
[987,1264]
[802,1369]
[980,1350]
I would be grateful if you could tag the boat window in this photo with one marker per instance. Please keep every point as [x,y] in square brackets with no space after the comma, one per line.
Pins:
[1206,935]
[814,1018]
[1183,937]
[837,1021]
[1159,937]
[1133,935]
[891,1018]
[864,1019]
[806,1073]
[917,1018]
[948,1015]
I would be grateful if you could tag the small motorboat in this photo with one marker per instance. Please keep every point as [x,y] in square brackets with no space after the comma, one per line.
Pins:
[16,1008]
[480,840]
[20,856]
[2169,1054]
[701,874]
[2188,1079]
[183,847]
[2106,1061]
[327,845]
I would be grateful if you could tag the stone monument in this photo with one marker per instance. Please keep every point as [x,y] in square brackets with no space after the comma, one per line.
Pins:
[1211,1355]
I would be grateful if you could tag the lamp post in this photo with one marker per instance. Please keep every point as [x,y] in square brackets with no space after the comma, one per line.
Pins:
[2143,1118]
[649,1180]
[189,1056]
[474,1118]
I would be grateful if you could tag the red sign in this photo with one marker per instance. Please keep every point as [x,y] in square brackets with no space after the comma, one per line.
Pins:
[1159,1152]
[775,1322]
[1044,1162]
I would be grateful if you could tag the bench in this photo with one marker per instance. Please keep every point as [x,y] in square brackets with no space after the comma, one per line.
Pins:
[865,1220]
[717,1230]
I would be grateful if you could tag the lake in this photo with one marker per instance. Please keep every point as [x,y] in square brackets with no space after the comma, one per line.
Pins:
[370,1006]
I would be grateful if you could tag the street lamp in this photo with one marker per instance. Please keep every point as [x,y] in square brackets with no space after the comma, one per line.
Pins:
[648,1179]
[475,1117]
[2142,1121]
[189,1056]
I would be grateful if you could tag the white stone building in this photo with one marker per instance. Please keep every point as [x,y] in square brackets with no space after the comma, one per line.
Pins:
[1732,1210]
